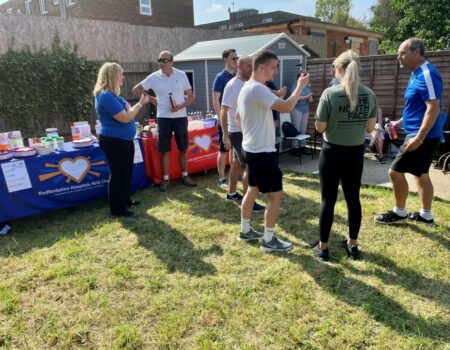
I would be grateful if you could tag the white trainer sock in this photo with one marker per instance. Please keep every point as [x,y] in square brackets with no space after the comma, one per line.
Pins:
[166,177]
[268,233]
[400,211]
[245,225]
[184,173]
[426,214]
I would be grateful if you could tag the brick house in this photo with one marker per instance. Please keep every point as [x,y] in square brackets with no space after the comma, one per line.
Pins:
[321,39]
[164,13]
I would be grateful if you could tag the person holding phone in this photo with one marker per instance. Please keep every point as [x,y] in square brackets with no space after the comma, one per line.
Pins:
[116,135]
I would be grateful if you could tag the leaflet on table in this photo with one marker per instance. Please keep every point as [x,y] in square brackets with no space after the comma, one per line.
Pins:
[138,158]
[16,176]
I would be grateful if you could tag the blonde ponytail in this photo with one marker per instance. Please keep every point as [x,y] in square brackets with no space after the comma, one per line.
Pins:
[350,81]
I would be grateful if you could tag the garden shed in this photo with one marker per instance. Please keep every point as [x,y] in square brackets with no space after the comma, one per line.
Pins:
[203,61]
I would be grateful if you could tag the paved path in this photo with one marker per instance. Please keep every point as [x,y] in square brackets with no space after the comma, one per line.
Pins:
[374,173]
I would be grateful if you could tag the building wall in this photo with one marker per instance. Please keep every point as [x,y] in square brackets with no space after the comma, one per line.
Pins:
[165,13]
[100,40]
[326,41]
[199,88]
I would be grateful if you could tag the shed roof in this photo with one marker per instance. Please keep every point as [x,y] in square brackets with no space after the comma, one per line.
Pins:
[248,45]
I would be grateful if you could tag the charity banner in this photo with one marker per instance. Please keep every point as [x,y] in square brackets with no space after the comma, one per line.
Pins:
[202,154]
[58,180]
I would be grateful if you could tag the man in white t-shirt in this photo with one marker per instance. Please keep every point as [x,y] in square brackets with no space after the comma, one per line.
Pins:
[255,104]
[173,94]
[232,134]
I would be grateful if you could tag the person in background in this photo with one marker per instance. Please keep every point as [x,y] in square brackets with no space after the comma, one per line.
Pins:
[232,134]
[300,114]
[423,122]
[254,116]
[230,58]
[116,135]
[173,94]
[377,138]
[344,114]
[333,81]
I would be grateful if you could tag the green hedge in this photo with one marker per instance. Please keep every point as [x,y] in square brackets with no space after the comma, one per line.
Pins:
[38,88]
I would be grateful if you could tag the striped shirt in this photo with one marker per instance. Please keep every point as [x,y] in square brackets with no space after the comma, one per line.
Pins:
[425,84]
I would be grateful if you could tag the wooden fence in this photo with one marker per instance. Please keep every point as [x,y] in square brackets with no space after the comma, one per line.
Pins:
[384,76]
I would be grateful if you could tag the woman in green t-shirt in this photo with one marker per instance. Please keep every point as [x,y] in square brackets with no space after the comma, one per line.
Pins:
[345,112]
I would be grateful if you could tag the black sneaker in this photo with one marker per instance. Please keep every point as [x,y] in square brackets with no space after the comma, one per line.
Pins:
[352,252]
[186,181]
[417,217]
[251,235]
[323,254]
[257,208]
[236,196]
[390,218]
[381,159]
[164,186]
[275,245]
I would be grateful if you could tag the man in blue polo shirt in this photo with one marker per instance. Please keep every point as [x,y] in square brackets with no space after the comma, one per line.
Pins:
[423,123]
[230,58]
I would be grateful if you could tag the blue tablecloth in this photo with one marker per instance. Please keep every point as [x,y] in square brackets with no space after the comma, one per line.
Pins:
[32,185]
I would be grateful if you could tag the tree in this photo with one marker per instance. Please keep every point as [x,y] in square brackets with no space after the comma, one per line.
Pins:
[337,11]
[334,11]
[385,20]
[428,20]
[399,20]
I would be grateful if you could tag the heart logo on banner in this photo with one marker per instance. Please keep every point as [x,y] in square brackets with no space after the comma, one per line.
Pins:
[75,169]
[203,141]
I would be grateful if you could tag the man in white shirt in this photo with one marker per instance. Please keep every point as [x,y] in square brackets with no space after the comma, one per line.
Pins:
[255,104]
[173,94]
[232,134]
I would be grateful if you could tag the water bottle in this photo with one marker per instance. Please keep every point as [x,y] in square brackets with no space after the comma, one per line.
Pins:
[390,129]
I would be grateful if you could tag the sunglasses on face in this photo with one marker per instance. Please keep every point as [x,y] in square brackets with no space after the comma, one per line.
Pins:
[235,58]
[164,60]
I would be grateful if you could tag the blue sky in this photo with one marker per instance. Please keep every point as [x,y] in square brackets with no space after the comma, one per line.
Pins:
[217,10]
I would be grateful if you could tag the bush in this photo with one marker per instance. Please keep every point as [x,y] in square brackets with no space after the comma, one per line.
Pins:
[39,88]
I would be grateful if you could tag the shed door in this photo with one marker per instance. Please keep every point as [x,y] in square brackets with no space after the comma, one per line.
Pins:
[288,71]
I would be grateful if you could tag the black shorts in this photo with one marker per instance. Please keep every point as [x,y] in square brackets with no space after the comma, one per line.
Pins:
[415,162]
[222,148]
[236,143]
[263,171]
[177,126]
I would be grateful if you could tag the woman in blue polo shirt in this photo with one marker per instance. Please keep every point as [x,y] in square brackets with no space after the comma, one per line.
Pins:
[116,135]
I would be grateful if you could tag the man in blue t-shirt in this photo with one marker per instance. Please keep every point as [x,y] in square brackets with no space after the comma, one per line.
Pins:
[423,123]
[230,58]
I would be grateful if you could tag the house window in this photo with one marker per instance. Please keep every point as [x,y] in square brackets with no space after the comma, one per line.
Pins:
[70,2]
[28,7]
[43,7]
[223,27]
[55,2]
[190,76]
[267,20]
[9,11]
[146,7]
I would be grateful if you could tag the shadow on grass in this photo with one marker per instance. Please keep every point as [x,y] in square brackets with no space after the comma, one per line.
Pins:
[406,278]
[362,296]
[434,236]
[172,247]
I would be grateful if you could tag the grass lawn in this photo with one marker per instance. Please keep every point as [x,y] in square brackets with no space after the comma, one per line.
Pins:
[175,277]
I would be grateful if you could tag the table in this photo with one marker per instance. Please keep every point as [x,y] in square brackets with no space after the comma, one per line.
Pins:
[202,154]
[36,184]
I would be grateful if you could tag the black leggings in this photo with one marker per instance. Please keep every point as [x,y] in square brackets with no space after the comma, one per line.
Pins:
[120,156]
[345,164]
